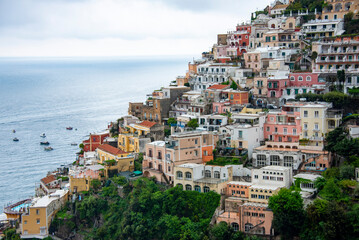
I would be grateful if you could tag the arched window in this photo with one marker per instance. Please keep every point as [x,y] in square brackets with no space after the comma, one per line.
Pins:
[290,25]
[235,226]
[288,161]
[188,176]
[217,174]
[292,78]
[206,189]
[309,78]
[179,175]
[274,160]
[197,188]
[300,78]
[207,174]
[188,187]
[178,184]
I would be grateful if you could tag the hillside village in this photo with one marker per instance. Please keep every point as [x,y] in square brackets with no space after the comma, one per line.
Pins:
[273,106]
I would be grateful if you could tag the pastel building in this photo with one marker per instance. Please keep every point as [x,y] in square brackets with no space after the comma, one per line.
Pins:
[95,140]
[187,147]
[212,122]
[337,9]
[283,125]
[303,82]
[246,203]
[36,222]
[81,177]
[203,178]
[316,29]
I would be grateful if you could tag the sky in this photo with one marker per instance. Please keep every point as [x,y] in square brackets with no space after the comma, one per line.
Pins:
[62,28]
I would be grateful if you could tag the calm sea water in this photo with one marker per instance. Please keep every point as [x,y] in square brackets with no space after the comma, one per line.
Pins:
[40,95]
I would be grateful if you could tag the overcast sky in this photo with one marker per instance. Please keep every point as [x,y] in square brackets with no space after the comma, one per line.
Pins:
[117,27]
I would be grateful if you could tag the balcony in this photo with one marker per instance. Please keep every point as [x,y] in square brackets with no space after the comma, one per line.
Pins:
[316,138]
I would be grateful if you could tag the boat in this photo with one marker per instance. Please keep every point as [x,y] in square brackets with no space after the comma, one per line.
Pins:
[48,148]
[15,139]
[44,143]
[69,128]
[14,131]
[73,144]
[43,135]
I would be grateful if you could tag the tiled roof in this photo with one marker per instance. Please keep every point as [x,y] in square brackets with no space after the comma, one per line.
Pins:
[219,86]
[147,124]
[48,179]
[112,150]
[280,6]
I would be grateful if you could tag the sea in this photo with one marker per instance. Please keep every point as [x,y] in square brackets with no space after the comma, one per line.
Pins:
[46,95]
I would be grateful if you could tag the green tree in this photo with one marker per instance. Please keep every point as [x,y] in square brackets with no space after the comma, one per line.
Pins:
[331,191]
[193,123]
[234,86]
[288,213]
[347,172]
[95,184]
[172,121]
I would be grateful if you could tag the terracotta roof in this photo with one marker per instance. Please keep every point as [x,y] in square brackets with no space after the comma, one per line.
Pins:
[112,150]
[48,179]
[280,6]
[219,86]
[147,124]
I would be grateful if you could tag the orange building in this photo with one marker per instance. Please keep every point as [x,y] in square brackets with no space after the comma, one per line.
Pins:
[236,96]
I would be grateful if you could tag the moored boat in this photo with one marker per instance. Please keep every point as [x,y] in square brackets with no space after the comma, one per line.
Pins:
[43,135]
[15,139]
[48,148]
[44,143]
[69,128]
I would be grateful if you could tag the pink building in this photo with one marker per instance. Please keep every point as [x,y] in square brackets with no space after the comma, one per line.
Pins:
[284,125]
[303,82]
[276,87]
[221,107]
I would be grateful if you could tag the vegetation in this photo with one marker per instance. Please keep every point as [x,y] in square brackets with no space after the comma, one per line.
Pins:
[171,121]
[304,5]
[234,86]
[147,211]
[351,26]
[193,123]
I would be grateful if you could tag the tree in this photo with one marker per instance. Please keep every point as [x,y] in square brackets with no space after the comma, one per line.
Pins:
[96,184]
[171,121]
[331,191]
[234,86]
[287,207]
[347,172]
[193,123]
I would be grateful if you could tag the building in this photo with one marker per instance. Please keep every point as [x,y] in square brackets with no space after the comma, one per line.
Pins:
[203,178]
[315,29]
[212,122]
[246,203]
[306,185]
[187,147]
[353,131]
[80,178]
[114,159]
[298,157]
[36,222]
[337,10]
[133,137]
[49,184]
[95,140]
[303,82]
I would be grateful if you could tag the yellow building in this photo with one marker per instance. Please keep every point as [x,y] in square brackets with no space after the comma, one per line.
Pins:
[134,137]
[107,152]
[262,193]
[317,119]
[81,179]
[36,222]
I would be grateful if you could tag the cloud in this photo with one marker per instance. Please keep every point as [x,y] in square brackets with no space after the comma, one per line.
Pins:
[31,25]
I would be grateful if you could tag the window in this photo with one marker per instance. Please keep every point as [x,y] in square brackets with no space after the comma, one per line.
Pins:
[308,78]
[197,188]
[268,129]
[240,134]
[188,187]
[316,126]
[295,91]
[261,160]
[206,189]
[207,174]
[256,176]
[217,174]
[195,141]
[37,211]
[316,114]
[25,222]
[179,175]
[300,78]
[288,161]
[274,160]
[235,226]
[38,221]
[288,91]
[188,176]
[305,113]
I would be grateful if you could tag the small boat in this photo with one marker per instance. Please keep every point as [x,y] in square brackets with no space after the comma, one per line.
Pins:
[14,131]
[48,148]
[73,144]
[15,139]
[44,143]
[69,128]
[43,135]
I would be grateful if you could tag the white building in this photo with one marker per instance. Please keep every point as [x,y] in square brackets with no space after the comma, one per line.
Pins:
[323,28]
[212,122]
[275,176]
